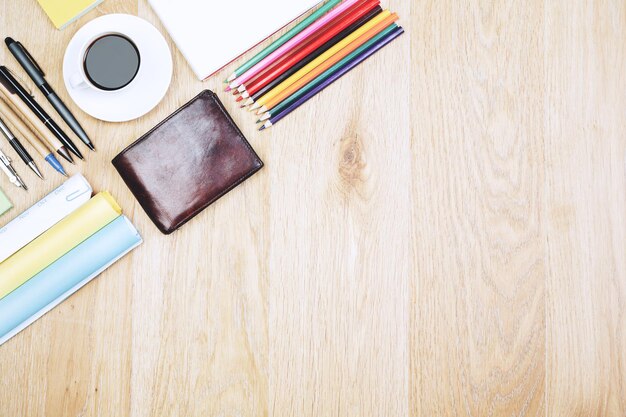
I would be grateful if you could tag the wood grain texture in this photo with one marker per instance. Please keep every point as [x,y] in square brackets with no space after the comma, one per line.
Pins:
[441,233]
[478,319]
[585,200]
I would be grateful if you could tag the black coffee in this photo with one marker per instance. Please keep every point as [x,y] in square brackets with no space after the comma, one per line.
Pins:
[111,62]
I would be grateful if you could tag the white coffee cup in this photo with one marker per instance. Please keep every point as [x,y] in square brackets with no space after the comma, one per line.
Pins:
[118,75]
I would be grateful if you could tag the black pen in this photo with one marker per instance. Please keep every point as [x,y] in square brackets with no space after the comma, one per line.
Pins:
[25,59]
[15,143]
[11,84]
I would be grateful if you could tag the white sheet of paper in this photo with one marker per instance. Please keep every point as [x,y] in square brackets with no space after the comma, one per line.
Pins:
[211,34]
[47,212]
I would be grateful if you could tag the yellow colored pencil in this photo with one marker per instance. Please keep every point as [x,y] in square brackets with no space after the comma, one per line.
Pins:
[325,56]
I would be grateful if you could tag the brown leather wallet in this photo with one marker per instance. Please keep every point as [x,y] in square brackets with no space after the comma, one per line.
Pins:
[187,162]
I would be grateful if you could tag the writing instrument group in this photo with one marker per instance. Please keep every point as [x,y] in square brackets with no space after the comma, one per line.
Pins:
[21,117]
[310,57]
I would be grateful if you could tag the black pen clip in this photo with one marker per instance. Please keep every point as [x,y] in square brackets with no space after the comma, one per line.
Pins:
[4,80]
[15,77]
[30,57]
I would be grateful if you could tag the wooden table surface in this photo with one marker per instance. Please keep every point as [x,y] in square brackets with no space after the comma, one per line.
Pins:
[442,233]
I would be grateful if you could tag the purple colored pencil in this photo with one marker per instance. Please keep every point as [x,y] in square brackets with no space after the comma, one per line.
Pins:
[343,71]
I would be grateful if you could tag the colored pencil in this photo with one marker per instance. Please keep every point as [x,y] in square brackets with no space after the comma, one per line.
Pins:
[302,87]
[305,56]
[292,42]
[290,72]
[358,5]
[337,75]
[301,64]
[346,19]
[283,39]
[339,51]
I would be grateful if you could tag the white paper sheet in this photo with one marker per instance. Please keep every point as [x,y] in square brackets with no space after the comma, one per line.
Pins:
[211,34]
[51,209]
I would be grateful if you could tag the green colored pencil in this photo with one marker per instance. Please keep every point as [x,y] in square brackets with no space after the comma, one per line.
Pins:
[323,76]
[283,39]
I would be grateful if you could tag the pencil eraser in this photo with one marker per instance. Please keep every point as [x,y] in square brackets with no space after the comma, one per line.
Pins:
[5,204]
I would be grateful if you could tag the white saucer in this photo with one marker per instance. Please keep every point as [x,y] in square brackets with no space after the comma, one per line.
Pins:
[144,92]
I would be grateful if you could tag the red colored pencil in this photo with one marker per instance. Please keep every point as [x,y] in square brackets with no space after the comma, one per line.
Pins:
[274,72]
[313,38]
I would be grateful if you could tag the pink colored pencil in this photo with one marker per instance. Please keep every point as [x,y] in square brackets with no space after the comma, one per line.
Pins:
[292,43]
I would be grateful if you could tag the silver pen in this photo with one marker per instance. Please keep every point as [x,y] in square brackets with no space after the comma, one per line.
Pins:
[19,148]
[7,168]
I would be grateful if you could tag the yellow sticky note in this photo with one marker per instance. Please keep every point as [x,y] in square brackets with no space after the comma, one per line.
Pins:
[64,12]
[57,241]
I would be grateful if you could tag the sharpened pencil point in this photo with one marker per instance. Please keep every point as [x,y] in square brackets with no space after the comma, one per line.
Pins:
[256,106]
[227,89]
[262,128]
[239,99]
[231,78]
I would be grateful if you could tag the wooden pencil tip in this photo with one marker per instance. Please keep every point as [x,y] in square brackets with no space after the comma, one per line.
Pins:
[233,85]
[239,99]
[231,78]
[262,128]
[227,89]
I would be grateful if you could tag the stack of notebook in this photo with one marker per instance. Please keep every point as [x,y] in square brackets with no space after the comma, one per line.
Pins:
[55,248]
[314,54]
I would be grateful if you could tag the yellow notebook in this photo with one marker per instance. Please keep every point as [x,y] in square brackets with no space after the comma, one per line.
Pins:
[64,12]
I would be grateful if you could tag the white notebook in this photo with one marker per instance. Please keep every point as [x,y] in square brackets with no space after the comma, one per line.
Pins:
[213,33]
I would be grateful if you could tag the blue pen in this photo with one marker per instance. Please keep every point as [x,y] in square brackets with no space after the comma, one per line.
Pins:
[51,159]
